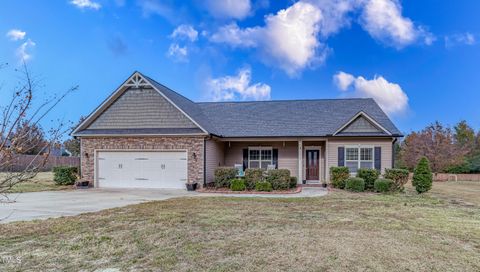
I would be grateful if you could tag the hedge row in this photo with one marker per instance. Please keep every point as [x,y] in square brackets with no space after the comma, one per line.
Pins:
[255,179]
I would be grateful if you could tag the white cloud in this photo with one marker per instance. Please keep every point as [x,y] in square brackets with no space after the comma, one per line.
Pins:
[16,34]
[389,96]
[178,53]
[343,80]
[83,4]
[288,40]
[383,20]
[235,9]
[185,32]
[23,50]
[459,39]
[237,87]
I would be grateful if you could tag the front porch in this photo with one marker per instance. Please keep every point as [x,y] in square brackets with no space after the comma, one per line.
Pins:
[305,158]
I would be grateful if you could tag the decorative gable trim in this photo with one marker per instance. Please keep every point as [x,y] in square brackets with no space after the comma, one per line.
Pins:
[366,116]
[136,80]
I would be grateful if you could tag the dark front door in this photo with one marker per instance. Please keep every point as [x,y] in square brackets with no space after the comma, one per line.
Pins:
[312,165]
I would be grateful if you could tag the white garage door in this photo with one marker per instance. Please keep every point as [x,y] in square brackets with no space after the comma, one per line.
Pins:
[159,169]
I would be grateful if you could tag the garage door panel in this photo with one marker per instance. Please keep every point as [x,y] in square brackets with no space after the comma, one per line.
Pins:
[159,169]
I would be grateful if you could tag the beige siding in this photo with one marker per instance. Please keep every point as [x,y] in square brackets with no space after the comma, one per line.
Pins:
[214,157]
[141,108]
[287,155]
[385,144]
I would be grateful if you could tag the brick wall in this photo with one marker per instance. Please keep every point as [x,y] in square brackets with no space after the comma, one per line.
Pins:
[193,144]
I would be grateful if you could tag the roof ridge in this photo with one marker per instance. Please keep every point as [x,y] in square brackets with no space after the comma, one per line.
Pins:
[283,100]
[168,88]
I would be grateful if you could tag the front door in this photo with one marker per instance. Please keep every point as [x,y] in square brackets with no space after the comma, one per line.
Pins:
[312,165]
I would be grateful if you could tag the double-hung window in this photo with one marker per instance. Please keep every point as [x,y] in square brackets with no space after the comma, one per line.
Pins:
[259,157]
[357,157]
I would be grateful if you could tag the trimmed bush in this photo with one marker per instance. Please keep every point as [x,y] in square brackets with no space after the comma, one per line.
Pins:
[422,176]
[338,176]
[293,182]
[399,177]
[355,185]
[65,175]
[369,176]
[252,176]
[263,186]
[223,176]
[279,178]
[237,185]
[383,185]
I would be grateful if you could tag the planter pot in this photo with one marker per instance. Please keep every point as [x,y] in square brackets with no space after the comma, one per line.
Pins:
[191,186]
[82,184]
[304,182]
[324,185]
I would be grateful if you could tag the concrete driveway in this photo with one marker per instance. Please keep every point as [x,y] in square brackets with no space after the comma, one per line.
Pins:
[42,205]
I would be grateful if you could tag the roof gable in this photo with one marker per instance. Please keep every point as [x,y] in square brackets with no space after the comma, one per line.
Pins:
[361,124]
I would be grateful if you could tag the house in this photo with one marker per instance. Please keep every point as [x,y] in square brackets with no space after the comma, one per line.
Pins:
[145,135]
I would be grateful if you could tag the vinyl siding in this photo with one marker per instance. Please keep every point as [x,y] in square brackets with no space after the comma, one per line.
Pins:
[287,156]
[141,108]
[361,125]
[385,144]
[214,157]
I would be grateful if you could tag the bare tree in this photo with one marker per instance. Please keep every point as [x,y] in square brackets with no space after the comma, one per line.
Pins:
[19,123]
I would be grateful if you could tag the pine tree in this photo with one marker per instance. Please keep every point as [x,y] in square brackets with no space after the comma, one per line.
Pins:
[422,176]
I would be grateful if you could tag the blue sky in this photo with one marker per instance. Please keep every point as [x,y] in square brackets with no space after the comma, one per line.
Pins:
[418,59]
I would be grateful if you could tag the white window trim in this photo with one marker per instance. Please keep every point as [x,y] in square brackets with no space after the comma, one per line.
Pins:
[259,148]
[359,155]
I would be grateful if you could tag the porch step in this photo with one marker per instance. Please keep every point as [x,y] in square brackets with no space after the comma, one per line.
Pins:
[313,182]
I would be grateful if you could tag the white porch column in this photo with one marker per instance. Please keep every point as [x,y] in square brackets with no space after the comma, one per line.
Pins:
[300,162]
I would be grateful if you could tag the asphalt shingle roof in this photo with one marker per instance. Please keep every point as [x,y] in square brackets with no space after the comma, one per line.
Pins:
[281,118]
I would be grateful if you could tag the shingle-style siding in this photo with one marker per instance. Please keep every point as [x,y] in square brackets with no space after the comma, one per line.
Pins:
[361,125]
[287,155]
[215,157]
[141,108]
[385,144]
[193,145]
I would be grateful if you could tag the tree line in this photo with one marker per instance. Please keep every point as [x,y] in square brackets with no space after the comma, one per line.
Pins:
[449,150]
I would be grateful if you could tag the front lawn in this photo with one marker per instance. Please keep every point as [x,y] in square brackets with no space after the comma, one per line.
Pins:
[42,182]
[340,232]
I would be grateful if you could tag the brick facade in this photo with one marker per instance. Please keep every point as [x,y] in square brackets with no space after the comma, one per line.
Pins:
[193,144]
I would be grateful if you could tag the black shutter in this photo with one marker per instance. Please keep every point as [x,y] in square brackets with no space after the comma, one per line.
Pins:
[378,158]
[341,156]
[275,157]
[245,159]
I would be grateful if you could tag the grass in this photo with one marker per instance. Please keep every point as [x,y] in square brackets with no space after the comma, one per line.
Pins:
[42,182]
[340,232]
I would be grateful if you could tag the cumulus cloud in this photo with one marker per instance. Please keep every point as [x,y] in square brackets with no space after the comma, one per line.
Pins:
[16,34]
[459,39]
[84,4]
[237,87]
[178,53]
[389,96]
[384,21]
[185,32]
[235,9]
[23,52]
[288,40]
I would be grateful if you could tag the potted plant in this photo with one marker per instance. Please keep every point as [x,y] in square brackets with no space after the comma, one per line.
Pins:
[324,184]
[82,184]
[191,186]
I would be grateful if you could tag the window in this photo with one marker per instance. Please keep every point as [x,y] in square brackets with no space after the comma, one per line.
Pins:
[259,157]
[358,157]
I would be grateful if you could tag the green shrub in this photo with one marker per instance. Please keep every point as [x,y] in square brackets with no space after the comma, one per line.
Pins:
[223,175]
[279,178]
[422,176]
[338,176]
[252,176]
[369,176]
[383,185]
[263,186]
[293,182]
[355,185]
[237,185]
[399,177]
[65,175]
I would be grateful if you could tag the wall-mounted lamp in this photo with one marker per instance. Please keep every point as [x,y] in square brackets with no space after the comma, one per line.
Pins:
[86,155]
[194,156]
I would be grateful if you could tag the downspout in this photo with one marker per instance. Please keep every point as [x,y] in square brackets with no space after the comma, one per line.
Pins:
[204,162]
[393,152]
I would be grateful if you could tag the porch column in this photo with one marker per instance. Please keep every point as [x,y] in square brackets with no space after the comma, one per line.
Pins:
[300,162]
